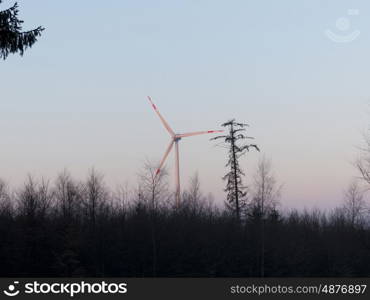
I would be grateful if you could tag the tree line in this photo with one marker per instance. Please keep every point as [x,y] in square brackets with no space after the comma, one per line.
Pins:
[72,228]
[84,228]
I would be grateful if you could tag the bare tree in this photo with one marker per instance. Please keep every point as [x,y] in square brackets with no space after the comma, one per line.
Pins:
[153,189]
[6,206]
[122,198]
[95,195]
[362,163]
[266,193]
[34,199]
[193,198]
[153,194]
[354,205]
[265,198]
[67,195]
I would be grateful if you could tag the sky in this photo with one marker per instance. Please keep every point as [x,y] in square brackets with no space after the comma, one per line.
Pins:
[296,71]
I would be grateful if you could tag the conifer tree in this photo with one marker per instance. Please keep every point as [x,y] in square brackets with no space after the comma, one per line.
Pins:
[236,191]
[12,38]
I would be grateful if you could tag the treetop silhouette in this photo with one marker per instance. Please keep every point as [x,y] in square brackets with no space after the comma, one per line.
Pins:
[12,38]
[236,191]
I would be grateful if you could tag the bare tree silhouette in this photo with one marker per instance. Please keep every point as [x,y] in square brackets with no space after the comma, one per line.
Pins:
[193,199]
[265,198]
[354,205]
[153,186]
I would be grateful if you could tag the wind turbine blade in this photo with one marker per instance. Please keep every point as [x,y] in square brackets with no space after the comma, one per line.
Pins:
[165,124]
[169,148]
[198,133]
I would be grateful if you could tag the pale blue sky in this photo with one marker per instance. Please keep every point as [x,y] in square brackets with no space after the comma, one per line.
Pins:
[77,99]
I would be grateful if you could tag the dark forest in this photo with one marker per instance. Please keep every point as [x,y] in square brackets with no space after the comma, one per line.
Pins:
[76,229]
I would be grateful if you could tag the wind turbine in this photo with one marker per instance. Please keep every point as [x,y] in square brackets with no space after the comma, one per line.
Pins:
[175,138]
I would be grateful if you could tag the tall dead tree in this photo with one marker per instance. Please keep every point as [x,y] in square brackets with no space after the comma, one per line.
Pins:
[12,38]
[236,191]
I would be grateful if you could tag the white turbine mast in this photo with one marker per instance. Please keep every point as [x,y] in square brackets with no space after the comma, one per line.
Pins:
[175,138]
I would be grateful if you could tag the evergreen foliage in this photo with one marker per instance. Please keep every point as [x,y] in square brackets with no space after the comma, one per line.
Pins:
[236,191]
[12,38]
